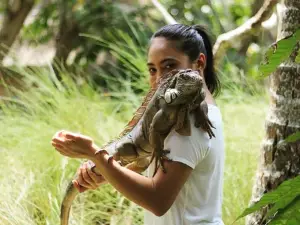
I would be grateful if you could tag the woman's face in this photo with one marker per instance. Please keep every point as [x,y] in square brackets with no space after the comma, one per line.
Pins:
[164,57]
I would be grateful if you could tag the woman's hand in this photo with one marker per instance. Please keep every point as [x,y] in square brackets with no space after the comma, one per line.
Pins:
[86,178]
[74,145]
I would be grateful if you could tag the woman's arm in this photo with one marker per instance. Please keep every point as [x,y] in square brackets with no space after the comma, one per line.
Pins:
[89,179]
[155,194]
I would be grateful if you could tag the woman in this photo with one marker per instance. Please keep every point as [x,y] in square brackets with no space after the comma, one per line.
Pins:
[191,190]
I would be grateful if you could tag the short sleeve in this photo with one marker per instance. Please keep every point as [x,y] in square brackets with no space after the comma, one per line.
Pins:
[189,150]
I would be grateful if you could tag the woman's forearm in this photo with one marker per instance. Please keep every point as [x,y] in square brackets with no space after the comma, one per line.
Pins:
[132,185]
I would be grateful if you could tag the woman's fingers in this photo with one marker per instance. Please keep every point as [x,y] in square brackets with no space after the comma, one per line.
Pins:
[71,136]
[81,179]
[78,186]
[58,134]
[74,136]
[84,180]
[98,179]
[83,183]
[58,140]
[62,141]
[63,135]
[56,145]
[87,178]
[60,148]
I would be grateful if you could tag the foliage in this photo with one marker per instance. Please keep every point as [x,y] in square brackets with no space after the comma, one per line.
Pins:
[2,6]
[139,22]
[293,137]
[284,201]
[93,17]
[278,53]
[131,58]
[125,58]
[123,47]
[219,16]
[43,28]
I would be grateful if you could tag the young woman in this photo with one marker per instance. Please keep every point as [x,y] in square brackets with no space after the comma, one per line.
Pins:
[190,193]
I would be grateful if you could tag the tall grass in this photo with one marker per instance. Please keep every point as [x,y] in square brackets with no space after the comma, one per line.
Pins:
[33,175]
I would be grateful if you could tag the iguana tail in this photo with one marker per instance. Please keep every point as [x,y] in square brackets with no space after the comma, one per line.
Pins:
[70,195]
[71,191]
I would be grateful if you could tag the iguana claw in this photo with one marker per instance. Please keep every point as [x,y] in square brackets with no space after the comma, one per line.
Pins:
[170,95]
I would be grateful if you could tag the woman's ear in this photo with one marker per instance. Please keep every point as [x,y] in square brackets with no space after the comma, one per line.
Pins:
[201,62]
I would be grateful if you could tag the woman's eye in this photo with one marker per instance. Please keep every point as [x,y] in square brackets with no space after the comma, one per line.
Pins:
[170,66]
[152,71]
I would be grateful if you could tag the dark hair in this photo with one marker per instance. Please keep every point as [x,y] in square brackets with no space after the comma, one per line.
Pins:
[193,40]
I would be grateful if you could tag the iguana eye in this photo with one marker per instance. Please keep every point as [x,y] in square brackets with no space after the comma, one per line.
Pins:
[184,76]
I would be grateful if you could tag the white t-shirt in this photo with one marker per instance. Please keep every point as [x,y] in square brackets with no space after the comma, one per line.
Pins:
[199,202]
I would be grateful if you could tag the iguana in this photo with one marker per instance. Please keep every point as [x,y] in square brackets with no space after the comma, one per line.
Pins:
[165,107]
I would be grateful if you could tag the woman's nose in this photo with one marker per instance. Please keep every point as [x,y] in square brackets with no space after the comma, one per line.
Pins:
[158,76]
[157,79]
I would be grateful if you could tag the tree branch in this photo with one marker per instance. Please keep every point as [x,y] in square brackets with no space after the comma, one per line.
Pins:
[237,36]
[169,19]
[216,15]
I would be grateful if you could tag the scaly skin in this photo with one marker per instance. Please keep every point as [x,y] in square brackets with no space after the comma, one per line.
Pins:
[178,93]
[178,100]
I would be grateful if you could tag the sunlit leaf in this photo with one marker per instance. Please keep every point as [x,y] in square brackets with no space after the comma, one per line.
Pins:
[289,188]
[282,204]
[289,216]
[277,53]
[293,137]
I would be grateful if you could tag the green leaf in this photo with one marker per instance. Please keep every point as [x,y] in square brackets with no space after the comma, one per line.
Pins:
[297,60]
[293,137]
[277,53]
[289,188]
[283,203]
[289,216]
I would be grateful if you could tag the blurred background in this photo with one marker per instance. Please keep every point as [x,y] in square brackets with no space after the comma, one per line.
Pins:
[80,65]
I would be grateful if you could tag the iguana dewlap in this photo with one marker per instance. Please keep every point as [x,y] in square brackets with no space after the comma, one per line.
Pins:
[164,108]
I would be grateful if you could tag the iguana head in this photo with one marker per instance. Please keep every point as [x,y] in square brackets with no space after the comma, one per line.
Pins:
[188,81]
[177,82]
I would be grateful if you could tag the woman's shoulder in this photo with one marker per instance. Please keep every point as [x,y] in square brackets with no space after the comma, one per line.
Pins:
[214,114]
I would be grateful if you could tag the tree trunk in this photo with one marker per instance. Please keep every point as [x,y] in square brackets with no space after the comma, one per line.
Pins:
[68,33]
[280,162]
[15,14]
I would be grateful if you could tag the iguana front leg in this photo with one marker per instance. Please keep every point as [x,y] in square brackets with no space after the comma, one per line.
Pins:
[202,120]
[139,165]
[161,126]
[200,110]
[197,105]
